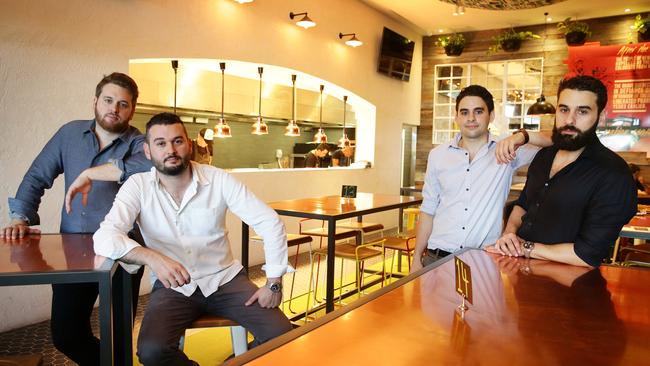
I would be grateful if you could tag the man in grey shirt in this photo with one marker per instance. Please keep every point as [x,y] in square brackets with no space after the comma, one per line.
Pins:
[105,140]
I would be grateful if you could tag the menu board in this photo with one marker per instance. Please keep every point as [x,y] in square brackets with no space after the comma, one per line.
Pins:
[625,70]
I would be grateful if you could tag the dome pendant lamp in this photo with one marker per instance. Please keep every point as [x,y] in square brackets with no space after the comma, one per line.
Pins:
[541,106]
[260,127]
[221,129]
[292,128]
[321,137]
[344,141]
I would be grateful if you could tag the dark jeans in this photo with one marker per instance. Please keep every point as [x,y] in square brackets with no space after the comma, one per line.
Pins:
[169,313]
[72,304]
[432,255]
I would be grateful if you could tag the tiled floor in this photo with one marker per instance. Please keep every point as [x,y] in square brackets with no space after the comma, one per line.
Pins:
[35,339]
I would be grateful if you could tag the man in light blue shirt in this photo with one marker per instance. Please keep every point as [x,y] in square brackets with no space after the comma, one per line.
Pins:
[465,187]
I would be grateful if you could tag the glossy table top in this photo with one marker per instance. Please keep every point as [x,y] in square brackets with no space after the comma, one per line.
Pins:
[525,312]
[50,253]
[332,206]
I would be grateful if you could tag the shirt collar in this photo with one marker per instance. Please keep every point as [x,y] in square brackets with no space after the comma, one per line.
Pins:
[456,140]
[124,137]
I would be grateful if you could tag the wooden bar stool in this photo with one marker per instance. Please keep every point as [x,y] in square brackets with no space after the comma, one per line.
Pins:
[237,332]
[322,232]
[411,214]
[293,240]
[403,243]
[359,254]
[363,228]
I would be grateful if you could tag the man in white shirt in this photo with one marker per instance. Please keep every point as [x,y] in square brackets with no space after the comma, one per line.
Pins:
[465,186]
[180,207]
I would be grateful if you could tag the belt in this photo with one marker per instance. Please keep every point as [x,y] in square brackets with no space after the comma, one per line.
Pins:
[438,253]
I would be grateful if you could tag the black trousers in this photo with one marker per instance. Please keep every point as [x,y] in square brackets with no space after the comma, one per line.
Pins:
[72,305]
[169,313]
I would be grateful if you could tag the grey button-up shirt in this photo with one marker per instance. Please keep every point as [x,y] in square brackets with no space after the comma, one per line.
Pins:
[70,151]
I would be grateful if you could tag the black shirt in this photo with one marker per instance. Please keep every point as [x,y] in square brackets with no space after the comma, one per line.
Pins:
[340,156]
[313,161]
[585,203]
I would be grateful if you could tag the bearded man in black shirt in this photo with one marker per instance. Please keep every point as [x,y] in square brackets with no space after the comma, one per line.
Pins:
[578,193]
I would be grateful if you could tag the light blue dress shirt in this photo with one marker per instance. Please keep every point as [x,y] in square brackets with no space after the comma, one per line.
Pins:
[466,199]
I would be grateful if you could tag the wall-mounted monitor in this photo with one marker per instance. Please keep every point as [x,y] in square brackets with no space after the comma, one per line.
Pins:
[396,55]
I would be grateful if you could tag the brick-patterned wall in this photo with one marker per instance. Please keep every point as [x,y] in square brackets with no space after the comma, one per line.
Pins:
[607,31]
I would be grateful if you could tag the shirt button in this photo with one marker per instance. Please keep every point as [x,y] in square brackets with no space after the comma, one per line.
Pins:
[465,208]
[463,227]
[545,184]
[83,213]
[537,204]
[468,169]
[467,189]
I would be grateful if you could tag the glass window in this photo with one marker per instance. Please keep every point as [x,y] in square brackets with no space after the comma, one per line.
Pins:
[515,85]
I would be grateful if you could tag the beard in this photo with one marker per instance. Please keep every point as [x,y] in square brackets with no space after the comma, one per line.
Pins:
[573,142]
[172,170]
[118,126]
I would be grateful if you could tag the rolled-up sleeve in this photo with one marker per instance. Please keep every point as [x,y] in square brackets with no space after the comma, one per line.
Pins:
[612,205]
[431,188]
[112,239]
[264,220]
[40,176]
[134,161]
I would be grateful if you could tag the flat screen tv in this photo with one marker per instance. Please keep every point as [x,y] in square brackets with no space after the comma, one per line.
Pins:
[396,55]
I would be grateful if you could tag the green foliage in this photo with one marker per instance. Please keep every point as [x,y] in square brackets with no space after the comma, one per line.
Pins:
[508,35]
[454,40]
[641,24]
[568,26]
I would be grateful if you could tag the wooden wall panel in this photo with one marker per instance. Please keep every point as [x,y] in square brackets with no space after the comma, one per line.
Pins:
[607,31]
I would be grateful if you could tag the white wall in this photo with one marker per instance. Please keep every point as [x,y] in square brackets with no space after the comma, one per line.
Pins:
[52,54]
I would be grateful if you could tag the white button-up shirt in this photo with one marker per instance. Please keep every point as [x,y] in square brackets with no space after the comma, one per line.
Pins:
[466,199]
[194,233]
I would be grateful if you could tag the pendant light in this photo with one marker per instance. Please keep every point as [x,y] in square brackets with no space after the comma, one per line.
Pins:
[260,127]
[175,68]
[221,129]
[321,137]
[292,128]
[344,141]
[541,106]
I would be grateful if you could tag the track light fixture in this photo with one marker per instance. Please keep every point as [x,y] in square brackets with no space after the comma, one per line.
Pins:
[304,22]
[353,41]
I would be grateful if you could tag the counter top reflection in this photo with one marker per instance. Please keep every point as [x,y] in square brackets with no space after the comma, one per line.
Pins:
[525,312]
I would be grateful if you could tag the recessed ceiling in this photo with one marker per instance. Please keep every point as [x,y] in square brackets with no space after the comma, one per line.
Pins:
[430,16]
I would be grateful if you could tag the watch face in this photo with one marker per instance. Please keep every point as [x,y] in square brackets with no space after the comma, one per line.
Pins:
[528,245]
[275,287]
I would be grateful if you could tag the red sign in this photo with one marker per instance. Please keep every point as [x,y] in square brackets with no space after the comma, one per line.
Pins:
[625,70]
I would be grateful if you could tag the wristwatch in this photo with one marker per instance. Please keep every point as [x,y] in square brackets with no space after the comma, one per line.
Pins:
[275,287]
[525,133]
[528,248]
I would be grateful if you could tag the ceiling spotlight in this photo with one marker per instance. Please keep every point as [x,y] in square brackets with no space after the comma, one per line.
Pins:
[627,10]
[456,11]
[461,10]
[304,22]
[440,30]
[244,1]
[353,41]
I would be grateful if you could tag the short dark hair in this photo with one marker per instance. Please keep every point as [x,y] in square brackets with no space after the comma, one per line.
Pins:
[322,147]
[122,80]
[634,168]
[586,83]
[476,91]
[164,119]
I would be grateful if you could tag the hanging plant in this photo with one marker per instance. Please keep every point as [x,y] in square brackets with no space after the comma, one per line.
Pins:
[642,26]
[510,41]
[454,44]
[575,32]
